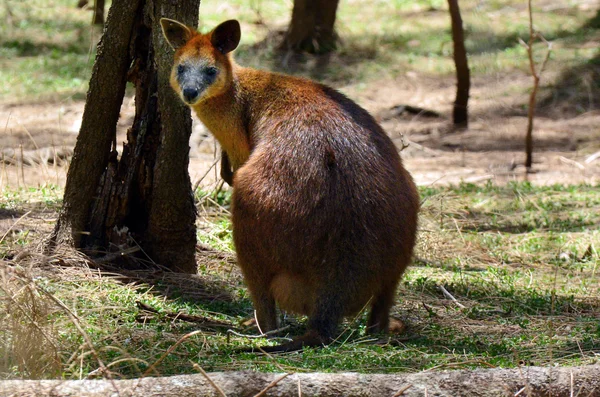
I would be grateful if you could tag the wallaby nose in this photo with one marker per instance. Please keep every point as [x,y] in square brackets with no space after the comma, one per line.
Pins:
[190,94]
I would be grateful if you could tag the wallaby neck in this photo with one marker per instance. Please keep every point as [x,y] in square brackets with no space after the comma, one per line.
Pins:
[224,117]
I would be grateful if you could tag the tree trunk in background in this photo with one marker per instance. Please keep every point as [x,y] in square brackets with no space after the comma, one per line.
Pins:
[463,80]
[312,26]
[144,197]
[98,12]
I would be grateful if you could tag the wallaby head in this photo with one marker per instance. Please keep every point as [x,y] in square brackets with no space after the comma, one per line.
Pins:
[202,67]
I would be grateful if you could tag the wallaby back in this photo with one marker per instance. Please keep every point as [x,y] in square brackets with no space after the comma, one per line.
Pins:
[324,213]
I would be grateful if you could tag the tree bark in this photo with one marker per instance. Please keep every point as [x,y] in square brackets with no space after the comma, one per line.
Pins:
[145,196]
[171,230]
[312,27]
[526,381]
[98,127]
[463,79]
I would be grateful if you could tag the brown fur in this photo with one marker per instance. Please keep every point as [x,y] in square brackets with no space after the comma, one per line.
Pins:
[324,214]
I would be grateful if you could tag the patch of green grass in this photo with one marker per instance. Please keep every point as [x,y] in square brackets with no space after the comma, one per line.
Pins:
[45,50]
[524,291]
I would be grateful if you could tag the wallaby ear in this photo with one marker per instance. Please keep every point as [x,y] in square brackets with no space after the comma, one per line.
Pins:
[226,36]
[176,33]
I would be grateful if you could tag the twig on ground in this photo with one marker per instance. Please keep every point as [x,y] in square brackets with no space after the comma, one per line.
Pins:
[571,394]
[184,317]
[262,335]
[449,296]
[592,157]
[572,162]
[199,181]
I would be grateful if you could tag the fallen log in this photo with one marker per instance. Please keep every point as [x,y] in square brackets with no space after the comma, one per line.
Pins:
[525,381]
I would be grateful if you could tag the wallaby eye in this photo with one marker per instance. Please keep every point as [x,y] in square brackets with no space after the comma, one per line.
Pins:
[211,71]
[180,69]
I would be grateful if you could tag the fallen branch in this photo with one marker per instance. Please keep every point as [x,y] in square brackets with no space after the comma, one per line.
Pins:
[534,381]
[203,321]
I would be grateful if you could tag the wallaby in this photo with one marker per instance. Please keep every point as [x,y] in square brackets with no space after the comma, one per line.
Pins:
[324,214]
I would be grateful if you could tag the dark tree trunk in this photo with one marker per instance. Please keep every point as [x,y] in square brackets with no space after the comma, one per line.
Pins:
[98,12]
[144,197]
[463,80]
[312,26]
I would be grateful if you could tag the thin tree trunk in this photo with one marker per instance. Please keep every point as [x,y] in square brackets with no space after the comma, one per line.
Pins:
[463,79]
[536,75]
[98,12]
[312,26]
[526,381]
[171,229]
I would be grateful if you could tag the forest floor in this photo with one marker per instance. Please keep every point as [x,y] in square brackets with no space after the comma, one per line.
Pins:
[506,266]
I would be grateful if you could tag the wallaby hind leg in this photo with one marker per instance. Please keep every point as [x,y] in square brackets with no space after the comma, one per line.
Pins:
[322,325]
[260,291]
[379,318]
[266,313]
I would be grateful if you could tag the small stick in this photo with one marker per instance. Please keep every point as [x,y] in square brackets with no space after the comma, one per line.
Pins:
[184,317]
[592,158]
[401,391]
[212,383]
[17,165]
[199,181]
[272,384]
[22,167]
[272,332]
[257,324]
[572,162]
[449,296]
[571,394]
[520,391]
[3,172]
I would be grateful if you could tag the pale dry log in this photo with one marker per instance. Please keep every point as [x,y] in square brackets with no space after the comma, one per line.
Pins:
[527,381]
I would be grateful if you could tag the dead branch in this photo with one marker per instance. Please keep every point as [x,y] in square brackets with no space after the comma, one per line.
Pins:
[203,321]
[535,381]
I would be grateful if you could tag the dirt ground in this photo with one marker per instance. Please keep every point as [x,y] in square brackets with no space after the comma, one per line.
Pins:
[566,145]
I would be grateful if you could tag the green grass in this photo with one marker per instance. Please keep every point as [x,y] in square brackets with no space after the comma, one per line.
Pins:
[47,47]
[520,260]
